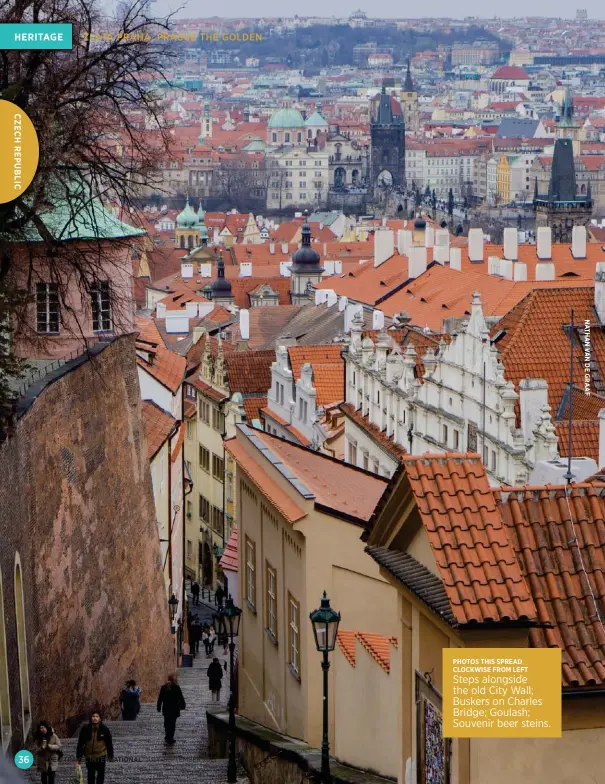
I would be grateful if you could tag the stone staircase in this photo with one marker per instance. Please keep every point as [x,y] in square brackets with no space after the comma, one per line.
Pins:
[142,757]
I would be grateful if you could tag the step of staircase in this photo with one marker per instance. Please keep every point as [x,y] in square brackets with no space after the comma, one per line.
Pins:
[142,757]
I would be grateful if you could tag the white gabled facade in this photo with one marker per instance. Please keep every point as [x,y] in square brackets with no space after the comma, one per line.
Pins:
[293,402]
[452,409]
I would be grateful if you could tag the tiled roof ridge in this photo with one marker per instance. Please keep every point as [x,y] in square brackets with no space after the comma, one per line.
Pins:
[378,646]
[576,487]
[524,306]
[324,456]
[346,643]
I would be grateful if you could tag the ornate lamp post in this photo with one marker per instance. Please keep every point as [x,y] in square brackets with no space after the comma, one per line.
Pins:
[173,603]
[230,617]
[325,628]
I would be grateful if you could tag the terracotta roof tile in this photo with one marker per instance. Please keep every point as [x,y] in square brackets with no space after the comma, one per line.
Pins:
[336,485]
[253,406]
[583,406]
[158,426]
[346,643]
[534,339]
[249,372]
[584,438]
[206,389]
[266,485]
[544,540]
[378,646]
[230,557]
[469,541]
[164,365]
[328,370]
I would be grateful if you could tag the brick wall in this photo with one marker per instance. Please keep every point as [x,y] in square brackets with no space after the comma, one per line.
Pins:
[76,502]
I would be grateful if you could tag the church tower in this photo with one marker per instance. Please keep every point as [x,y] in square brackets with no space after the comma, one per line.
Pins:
[387,133]
[205,124]
[562,207]
[567,127]
[305,269]
[221,291]
[409,102]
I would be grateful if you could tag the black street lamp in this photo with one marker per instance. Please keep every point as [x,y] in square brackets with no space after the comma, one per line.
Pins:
[325,628]
[173,603]
[230,618]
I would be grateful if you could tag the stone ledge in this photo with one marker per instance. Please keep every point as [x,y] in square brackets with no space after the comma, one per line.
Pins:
[284,760]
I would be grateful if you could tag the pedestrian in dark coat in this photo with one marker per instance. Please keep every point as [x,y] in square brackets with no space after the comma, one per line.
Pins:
[195,592]
[96,746]
[215,679]
[196,633]
[48,752]
[170,704]
[130,701]
[219,595]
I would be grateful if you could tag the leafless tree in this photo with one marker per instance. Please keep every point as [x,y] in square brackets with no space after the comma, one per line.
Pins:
[81,102]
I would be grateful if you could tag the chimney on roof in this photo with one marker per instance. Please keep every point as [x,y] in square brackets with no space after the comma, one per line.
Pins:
[284,248]
[416,261]
[384,246]
[404,241]
[533,394]
[429,237]
[456,259]
[475,245]
[272,248]
[578,243]
[511,244]
[377,319]
[602,438]
[186,269]
[244,324]
[599,294]
[519,271]
[545,270]
[544,243]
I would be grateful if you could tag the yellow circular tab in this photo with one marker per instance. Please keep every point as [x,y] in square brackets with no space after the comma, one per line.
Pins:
[19,151]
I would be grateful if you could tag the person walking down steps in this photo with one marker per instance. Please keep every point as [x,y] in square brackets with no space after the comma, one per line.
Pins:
[130,701]
[170,704]
[215,679]
[48,752]
[95,745]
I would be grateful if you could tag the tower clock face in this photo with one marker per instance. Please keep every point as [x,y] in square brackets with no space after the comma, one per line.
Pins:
[385,179]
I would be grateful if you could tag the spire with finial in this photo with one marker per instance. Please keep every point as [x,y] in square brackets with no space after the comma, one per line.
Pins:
[408,85]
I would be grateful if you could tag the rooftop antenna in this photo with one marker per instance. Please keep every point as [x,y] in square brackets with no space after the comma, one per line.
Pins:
[569,476]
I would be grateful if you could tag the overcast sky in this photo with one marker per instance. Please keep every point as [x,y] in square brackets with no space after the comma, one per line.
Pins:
[378,8]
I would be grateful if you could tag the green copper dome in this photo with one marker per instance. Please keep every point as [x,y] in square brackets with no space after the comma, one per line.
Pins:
[186,219]
[286,118]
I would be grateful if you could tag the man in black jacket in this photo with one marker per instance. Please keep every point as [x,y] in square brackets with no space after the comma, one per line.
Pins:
[96,746]
[170,703]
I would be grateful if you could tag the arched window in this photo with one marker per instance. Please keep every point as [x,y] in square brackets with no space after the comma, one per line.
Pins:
[22,647]
[5,705]
[182,240]
[190,240]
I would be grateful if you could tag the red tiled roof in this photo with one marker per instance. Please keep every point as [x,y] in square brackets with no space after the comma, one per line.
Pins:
[535,341]
[584,439]
[230,558]
[253,406]
[469,540]
[158,426]
[377,645]
[249,372]
[328,370]
[510,72]
[206,389]
[165,366]
[336,485]
[346,643]
[544,540]
[379,648]
[265,484]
